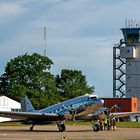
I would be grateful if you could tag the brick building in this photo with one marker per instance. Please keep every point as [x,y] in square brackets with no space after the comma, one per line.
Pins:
[124,104]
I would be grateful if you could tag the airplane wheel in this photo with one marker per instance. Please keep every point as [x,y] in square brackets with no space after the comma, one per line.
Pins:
[62,128]
[96,128]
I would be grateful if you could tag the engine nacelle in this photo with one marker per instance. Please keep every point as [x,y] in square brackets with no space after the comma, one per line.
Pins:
[101,113]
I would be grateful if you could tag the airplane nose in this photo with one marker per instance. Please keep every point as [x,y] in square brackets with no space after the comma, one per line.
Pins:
[101,102]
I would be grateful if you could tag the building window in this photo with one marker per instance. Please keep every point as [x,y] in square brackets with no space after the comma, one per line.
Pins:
[5,102]
[15,110]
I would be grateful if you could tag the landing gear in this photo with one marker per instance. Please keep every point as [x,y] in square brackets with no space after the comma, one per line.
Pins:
[31,128]
[95,126]
[61,126]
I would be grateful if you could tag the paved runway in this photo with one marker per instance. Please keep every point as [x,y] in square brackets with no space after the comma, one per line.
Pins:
[47,132]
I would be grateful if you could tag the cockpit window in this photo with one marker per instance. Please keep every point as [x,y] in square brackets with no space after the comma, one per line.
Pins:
[94,97]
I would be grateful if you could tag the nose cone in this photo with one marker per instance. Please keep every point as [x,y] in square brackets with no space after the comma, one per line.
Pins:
[101,102]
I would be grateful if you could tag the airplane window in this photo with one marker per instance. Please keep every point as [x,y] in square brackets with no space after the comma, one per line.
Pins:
[93,97]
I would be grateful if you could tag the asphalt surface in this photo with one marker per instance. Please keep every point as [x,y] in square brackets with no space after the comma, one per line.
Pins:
[47,132]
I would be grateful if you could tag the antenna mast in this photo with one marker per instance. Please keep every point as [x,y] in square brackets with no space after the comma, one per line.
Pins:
[44,41]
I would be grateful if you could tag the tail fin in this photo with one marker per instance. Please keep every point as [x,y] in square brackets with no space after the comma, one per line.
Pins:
[26,105]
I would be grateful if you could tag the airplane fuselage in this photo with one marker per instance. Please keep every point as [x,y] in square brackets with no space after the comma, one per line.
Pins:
[81,106]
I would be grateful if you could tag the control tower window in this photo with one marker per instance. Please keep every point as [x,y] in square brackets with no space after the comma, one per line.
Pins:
[133,37]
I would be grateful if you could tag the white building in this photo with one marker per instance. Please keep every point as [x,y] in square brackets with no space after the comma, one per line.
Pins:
[7,104]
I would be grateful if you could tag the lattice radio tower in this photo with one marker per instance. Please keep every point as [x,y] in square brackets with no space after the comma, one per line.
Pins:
[45,41]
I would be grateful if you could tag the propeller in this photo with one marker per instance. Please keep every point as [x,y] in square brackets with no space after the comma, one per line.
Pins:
[72,112]
[114,106]
[73,116]
[107,110]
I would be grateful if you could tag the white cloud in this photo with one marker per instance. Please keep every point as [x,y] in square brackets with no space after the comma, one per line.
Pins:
[9,11]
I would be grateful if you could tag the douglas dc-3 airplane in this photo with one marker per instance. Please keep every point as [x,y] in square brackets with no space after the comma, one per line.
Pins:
[87,107]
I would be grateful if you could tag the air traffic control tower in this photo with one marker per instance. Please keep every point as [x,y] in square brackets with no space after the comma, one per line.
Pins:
[126,64]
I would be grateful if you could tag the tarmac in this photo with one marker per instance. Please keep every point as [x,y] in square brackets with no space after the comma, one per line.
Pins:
[77,132]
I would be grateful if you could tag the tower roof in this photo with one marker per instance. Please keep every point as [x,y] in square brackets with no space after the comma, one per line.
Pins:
[131,35]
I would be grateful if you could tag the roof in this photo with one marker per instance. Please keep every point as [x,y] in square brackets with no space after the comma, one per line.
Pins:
[8,102]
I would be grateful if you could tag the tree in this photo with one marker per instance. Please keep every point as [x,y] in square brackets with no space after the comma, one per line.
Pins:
[29,75]
[72,83]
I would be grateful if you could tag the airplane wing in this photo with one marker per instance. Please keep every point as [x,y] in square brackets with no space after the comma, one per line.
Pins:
[105,112]
[100,114]
[30,115]
[123,114]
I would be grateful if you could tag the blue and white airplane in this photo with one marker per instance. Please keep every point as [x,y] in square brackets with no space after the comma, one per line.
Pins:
[87,107]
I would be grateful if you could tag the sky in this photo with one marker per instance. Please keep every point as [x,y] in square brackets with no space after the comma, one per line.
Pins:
[80,34]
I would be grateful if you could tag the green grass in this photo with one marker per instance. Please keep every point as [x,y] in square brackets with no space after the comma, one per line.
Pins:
[129,124]
[11,124]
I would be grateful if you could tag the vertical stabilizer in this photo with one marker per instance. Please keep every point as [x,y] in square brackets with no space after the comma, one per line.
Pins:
[26,105]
